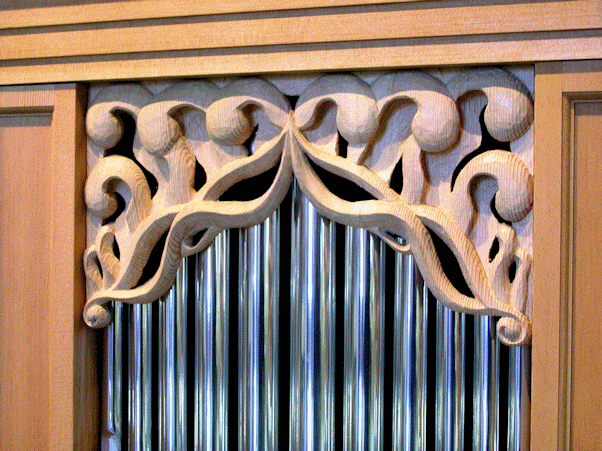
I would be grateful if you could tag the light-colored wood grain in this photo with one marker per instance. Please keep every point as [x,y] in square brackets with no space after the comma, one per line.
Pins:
[25,278]
[48,395]
[54,13]
[454,20]
[586,358]
[327,57]
[38,98]
[547,248]
[72,346]
[566,359]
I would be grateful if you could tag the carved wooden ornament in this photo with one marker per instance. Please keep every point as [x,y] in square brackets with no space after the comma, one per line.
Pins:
[479,203]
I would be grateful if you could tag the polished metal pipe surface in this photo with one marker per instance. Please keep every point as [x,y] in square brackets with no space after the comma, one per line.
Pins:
[113,382]
[173,364]
[364,350]
[409,356]
[258,335]
[486,386]
[450,379]
[211,346]
[519,399]
[312,329]
[140,379]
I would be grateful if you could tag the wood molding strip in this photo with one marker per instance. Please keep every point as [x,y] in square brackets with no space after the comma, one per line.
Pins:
[366,26]
[282,59]
[152,9]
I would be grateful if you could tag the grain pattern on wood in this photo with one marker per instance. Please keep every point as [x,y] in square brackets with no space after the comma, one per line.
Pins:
[72,350]
[197,122]
[514,48]
[25,279]
[48,395]
[586,358]
[357,26]
[547,239]
[565,400]
[54,13]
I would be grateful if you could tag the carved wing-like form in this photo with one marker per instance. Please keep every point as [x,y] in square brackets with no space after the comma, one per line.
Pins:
[424,130]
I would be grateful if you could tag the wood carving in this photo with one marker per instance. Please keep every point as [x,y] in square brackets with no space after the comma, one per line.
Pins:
[428,125]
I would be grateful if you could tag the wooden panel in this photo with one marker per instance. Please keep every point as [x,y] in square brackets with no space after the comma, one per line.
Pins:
[43,13]
[586,364]
[383,23]
[25,262]
[48,388]
[567,323]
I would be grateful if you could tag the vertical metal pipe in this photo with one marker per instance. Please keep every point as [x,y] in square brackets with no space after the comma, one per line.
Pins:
[258,333]
[271,280]
[450,381]
[312,329]
[364,327]
[114,352]
[140,380]
[486,386]
[409,356]
[211,346]
[519,399]
[172,365]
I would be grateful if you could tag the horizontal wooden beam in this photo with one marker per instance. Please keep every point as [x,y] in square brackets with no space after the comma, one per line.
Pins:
[383,23]
[49,15]
[515,48]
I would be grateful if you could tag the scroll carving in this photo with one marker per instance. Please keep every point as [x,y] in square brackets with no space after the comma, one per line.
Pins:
[424,127]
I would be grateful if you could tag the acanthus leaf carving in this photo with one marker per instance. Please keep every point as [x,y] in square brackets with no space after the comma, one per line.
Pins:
[413,119]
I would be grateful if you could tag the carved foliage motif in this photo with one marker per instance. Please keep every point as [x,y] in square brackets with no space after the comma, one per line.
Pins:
[423,127]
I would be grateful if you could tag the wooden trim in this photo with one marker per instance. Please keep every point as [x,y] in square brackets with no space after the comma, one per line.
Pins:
[384,23]
[317,57]
[72,344]
[27,98]
[547,238]
[557,87]
[13,17]
[157,41]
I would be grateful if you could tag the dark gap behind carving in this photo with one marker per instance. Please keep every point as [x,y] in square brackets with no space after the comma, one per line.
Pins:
[251,188]
[488,142]
[512,271]
[450,265]
[495,248]
[340,186]
[343,146]
[116,249]
[496,215]
[125,148]
[154,260]
[200,176]
[397,177]
[293,101]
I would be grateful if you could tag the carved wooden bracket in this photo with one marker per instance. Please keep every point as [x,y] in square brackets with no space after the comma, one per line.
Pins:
[477,202]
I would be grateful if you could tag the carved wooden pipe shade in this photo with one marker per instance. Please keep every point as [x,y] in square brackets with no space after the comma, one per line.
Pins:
[423,126]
